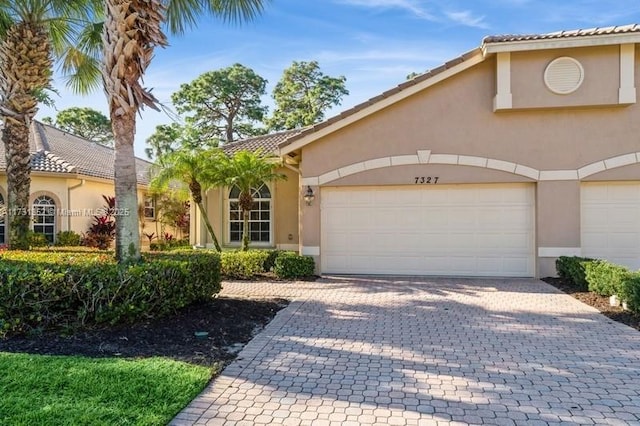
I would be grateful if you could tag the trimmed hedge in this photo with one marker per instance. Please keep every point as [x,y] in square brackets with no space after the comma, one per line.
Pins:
[572,269]
[601,277]
[630,291]
[291,265]
[243,265]
[247,265]
[41,290]
[605,278]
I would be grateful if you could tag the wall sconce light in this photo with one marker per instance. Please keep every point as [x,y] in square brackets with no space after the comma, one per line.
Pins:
[309,196]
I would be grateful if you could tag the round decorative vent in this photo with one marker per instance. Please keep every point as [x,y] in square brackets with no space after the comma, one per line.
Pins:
[563,75]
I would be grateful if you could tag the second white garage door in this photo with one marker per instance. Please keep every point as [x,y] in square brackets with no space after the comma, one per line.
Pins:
[456,230]
[611,222]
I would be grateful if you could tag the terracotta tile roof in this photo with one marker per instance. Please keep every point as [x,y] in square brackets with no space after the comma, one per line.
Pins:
[620,29]
[399,88]
[269,143]
[56,151]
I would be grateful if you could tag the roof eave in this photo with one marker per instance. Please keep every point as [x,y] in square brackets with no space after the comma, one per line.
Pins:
[469,60]
[559,43]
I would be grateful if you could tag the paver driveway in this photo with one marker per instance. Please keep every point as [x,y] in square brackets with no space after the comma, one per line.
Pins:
[427,351]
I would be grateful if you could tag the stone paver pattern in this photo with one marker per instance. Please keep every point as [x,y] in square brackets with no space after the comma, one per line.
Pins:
[423,351]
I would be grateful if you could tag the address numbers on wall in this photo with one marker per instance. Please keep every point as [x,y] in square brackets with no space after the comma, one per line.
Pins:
[427,180]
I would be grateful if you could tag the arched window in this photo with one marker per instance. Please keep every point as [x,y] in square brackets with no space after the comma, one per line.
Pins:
[259,218]
[44,217]
[3,221]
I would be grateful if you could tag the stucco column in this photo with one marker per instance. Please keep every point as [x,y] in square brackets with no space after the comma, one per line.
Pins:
[310,225]
[558,223]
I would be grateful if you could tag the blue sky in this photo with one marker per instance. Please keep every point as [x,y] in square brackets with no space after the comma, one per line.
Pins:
[373,43]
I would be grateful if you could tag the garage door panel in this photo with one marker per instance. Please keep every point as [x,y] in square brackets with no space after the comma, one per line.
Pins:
[610,222]
[438,230]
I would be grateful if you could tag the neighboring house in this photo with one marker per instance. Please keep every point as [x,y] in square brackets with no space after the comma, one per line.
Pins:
[494,164]
[69,175]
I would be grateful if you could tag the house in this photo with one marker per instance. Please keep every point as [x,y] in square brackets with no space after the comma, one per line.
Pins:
[494,164]
[69,175]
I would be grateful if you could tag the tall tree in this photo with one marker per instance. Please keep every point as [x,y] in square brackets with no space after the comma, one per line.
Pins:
[224,104]
[303,95]
[197,169]
[174,136]
[87,123]
[33,35]
[133,29]
[248,171]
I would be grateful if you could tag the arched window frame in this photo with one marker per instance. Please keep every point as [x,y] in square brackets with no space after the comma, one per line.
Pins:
[44,217]
[260,221]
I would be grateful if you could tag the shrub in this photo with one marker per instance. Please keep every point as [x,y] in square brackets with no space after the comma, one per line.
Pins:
[170,244]
[291,265]
[605,278]
[42,290]
[272,255]
[243,264]
[68,239]
[572,269]
[630,291]
[102,231]
[37,239]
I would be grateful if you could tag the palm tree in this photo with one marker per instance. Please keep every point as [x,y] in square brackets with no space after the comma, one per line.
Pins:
[197,169]
[248,171]
[133,29]
[33,33]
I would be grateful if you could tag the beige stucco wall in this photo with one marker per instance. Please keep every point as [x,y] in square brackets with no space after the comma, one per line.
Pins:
[600,86]
[456,117]
[285,196]
[77,199]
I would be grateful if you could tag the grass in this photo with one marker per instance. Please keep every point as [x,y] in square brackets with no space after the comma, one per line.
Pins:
[65,390]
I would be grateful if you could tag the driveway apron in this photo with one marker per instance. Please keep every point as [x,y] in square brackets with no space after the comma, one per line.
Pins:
[414,351]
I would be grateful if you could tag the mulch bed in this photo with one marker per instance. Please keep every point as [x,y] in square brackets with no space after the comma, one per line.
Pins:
[601,303]
[230,322]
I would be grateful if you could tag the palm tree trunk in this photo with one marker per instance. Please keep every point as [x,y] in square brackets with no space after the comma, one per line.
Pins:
[25,70]
[16,143]
[203,213]
[245,230]
[126,188]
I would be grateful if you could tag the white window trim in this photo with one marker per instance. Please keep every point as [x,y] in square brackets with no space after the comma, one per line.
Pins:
[33,215]
[227,221]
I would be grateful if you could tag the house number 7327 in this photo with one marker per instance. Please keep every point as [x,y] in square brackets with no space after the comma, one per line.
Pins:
[427,179]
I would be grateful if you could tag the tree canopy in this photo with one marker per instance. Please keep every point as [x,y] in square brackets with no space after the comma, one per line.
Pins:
[87,123]
[303,95]
[172,137]
[224,104]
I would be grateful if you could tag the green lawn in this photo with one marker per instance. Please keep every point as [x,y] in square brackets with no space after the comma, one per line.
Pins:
[61,390]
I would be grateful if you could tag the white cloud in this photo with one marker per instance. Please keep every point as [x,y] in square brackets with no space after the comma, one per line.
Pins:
[412,6]
[467,18]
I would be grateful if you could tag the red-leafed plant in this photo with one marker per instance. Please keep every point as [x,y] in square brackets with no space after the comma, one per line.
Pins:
[102,231]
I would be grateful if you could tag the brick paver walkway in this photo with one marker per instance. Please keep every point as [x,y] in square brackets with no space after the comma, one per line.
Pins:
[419,351]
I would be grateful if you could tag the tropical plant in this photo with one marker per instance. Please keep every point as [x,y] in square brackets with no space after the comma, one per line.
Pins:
[303,95]
[87,123]
[133,29]
[33,35]
[197,169]
[102,230]
[225,104]
[248,171]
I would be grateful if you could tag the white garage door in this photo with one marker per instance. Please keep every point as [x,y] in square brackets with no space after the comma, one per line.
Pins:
[459,230]
[610,222]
